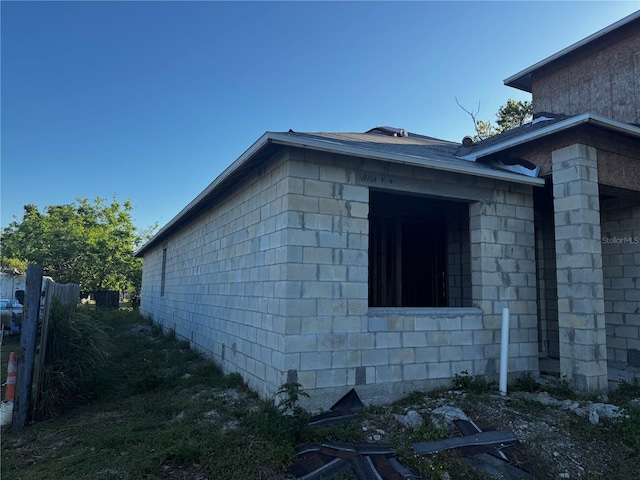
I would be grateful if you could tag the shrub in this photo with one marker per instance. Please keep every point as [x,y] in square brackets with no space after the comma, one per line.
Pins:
[282,416]
[625,392]
[77,347]
[474,385]
[628,429]
[526,383]
[289,395]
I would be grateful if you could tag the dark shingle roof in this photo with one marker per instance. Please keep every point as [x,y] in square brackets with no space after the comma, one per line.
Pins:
[418,146]
[384,144]
[539,123]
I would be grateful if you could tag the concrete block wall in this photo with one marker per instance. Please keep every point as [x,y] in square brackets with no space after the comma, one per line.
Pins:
[223,283]
[581,316]
[337,342]
[621,269]
[548,332]
[326,272]
[459,261]
[503,272]
[273,282]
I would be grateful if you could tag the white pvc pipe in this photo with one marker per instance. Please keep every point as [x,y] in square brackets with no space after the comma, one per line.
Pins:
[504,351]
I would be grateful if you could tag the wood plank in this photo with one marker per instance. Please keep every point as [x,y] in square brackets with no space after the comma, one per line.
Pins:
[482,438]
[27,353]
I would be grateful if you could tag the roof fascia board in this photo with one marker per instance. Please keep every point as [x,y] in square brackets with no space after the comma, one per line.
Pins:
[258,145]
[335,147]
[555,128]
[515,81]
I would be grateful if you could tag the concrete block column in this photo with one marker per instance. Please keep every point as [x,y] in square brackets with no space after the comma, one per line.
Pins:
[581,319]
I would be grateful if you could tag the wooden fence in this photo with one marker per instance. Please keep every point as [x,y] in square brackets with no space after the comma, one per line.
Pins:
[36,294]
[65,293]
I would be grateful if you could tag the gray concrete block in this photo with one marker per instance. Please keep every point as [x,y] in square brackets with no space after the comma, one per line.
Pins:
[378,356]
[414,372]
[414,339]
[384,339]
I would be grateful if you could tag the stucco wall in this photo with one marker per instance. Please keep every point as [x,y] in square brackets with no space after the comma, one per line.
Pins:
[273,283]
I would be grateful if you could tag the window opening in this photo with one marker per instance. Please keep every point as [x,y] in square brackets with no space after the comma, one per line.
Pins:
[164,271]
[409,260]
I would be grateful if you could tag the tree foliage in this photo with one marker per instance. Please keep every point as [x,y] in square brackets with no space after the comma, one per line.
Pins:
[88,243]
[512,114]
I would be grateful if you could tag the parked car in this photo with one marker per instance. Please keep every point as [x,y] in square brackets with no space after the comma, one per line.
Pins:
[11,314]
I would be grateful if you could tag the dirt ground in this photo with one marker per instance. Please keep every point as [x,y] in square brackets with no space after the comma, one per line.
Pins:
[556,439]
[559,435]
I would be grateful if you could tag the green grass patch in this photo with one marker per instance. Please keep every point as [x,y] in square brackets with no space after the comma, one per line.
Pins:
[350,432]
[525,383]
[159,409]
[473,385]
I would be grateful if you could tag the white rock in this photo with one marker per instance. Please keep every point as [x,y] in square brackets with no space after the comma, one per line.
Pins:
[412,420]
[569,405]
[605,410]
[546,399]
[449,414]
[581,412]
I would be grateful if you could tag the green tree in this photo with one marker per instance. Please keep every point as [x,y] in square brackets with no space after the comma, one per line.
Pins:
[88,243]
[15,264]
[512,114]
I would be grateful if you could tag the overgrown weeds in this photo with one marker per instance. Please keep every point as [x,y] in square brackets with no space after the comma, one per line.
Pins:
[526,383]
[282,417]
[160,410]
[77,348]
[477,385]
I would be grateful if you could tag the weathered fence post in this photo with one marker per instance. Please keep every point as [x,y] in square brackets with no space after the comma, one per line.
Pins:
[27,352]
[65,293]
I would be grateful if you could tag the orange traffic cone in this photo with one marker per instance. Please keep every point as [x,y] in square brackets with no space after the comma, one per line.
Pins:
[12,370]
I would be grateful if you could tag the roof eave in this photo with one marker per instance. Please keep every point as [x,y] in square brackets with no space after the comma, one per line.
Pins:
[257,146]
[560,126]
[335,147]
[330,147]
[522,80]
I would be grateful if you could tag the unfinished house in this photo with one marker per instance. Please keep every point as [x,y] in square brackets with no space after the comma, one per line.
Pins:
[382,260]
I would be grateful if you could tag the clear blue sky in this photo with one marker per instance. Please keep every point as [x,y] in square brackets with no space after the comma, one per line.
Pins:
[152,100]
